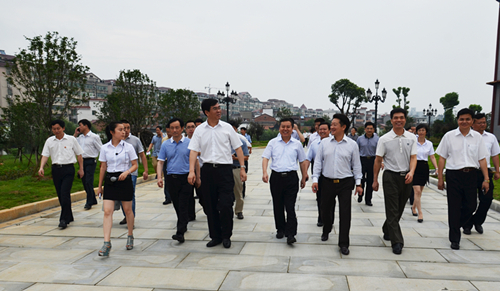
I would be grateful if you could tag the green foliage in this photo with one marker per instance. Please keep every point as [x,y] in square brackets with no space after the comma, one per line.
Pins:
[476,108]
[269,134]
[49,77]
[398,92]
[440,127]
[284,112]
[449,101]
[181,103]
[361,130]
[255,130]
[345,95]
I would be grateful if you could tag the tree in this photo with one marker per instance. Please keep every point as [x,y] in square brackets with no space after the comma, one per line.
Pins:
[135,99]
[255,130]
[449,101]
[346,94]
[49,76]
[398,92]
[476,108]
[179,103]
[284,112]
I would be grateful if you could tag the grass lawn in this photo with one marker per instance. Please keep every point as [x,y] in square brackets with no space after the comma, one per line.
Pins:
[27,188]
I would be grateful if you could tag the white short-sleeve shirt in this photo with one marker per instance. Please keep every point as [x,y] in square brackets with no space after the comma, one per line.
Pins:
[491,143]
[119,158]
[424,150]
[462,151]
[62,151]
[396,150]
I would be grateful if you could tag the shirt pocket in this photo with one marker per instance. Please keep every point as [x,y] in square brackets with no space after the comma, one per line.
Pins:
[472,151]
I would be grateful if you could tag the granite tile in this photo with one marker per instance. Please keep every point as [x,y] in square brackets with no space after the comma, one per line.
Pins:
[359,283]
[447,271]
[235,262]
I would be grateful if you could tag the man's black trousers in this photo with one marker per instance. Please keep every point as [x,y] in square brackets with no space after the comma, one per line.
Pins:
[180,192]
[367,179]
[63,177]
[284,189]
[88,180]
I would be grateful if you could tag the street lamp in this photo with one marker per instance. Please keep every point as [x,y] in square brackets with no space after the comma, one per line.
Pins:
[232,99]
[430,112]
[376,98]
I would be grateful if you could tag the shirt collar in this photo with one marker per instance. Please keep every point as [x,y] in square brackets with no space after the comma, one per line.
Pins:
[122,143]
[344,138]
[457,132]
[208,125]
[88,133]
[172,139]
[281,139]
[403,135]
[65,136]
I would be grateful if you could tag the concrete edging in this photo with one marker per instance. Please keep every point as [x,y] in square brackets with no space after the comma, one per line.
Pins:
[495,204]
[39,206]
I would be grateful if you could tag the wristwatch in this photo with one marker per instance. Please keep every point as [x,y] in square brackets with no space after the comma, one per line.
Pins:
[244,167]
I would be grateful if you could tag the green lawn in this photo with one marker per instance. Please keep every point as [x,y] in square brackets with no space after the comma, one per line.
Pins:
[27,188]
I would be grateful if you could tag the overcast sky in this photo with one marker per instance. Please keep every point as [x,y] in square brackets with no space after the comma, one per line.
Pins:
[291,50]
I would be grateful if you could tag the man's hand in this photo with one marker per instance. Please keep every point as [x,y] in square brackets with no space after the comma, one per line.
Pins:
[408,178]
[359,191]
[265,177]
[191,178]
[315,187]
[303,182]
[145,175]
[486,186]
[440,184]
[80,173]
[243,175]
[159,182]
[77,132]
[197,184]
[496,176]
[40,172]
[375,186]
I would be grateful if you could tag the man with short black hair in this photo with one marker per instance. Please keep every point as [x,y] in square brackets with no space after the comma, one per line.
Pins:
[238,184]
[367,144]
[156,142]
[62,148]
[315,135]
[353,134]
[213,141]
[198,121]
[190,127]
[91,145]
[244,133]
[398,150]
[284,151]
[464,153]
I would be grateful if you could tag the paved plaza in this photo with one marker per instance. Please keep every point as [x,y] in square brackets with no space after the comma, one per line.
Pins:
[36,255]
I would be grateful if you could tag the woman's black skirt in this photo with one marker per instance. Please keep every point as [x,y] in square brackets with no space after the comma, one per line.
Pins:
[421,176]
[118,190]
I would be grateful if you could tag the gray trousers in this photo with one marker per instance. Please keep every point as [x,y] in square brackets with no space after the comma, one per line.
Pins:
[396,193]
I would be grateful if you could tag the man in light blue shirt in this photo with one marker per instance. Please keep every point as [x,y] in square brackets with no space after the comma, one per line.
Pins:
[156,142]
[175,151]
[284,151]
[238,184]
[367,147]
[337,164]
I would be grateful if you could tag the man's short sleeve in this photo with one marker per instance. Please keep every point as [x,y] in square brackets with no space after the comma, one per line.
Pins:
[268,150]
[482,151]
[495,149]
[301,155]
[442,149]
[76,147]
[380,149]
[163,152]
[414,147]
[194,144]
[46,151]
[234,139]
[140,149]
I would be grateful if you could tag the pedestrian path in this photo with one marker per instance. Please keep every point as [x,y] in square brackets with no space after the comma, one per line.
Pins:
[36,255]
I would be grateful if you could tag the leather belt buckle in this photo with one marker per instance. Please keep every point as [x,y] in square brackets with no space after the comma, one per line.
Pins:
[369,157]
[402,174]
[284,174]
[174,176]
[336,181]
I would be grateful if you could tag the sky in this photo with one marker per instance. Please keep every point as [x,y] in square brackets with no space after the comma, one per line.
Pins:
[291,50]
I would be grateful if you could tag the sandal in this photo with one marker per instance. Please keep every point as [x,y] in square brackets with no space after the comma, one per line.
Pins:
[106,248]
[130,242]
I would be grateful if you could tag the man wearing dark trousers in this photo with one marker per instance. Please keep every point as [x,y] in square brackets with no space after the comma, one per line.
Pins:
[213,141]
[62,148]
[398,150]
[323,132]
[367,144]
[176,154]
[337,165]
[244,133]
[464,153]
[91,145]
[284,151]
[485,199]
[190,127]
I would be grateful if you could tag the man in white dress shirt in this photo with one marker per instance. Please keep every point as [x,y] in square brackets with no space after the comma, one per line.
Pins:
[213,141]
[464,153]
[62,148]
[91,145]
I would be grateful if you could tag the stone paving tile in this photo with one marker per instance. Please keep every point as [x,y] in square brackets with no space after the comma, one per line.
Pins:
[14,286]
[167,234]
[298,249]
[485,244]
[28,229]
[330,266]
[278,281]
[85,232]
[486,286]
[96,243]
[22,241]
[43,255]
[165,278]
[434,243]
[134,257]
[235,262]
[393,284]
[355,240]
[448,271]
[471,257]
[168,246]
[55,273]
[385,253]
[64,287]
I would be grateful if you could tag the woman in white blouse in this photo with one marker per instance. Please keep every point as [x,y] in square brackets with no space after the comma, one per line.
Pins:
[425,149]
[116,157]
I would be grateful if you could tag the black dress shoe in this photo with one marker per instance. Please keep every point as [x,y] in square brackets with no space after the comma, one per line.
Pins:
[324,237]
[213,243]
[386,237]
[420,220]
[479,228]
[467,231]
[397,248]
[87,207]
[280,234]
[290,239]
[369,204]
[360,198]
[240,215]
[124,221]
[178,237]
[344,251]
[455,245]
[63,224]
[166,202]
[414,213]
[226,243]
[319,224]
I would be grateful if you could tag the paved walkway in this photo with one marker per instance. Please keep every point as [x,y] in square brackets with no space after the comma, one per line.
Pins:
[36,255]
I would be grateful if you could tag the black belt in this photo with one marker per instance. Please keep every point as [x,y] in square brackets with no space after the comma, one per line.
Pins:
[465,170]
[284,174]
[61,165]
[402,174]
[368,157]
[336,181]
[236,167]
[177,176]
[89,159]
[217,165]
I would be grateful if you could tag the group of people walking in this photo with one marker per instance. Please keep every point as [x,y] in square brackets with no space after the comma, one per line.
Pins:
[212,158]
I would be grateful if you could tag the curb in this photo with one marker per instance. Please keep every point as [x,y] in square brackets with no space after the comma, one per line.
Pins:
[495,204]
[39,206]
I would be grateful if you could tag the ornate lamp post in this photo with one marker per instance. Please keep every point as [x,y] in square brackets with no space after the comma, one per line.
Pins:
[227,100]
[376,98]
[430,112]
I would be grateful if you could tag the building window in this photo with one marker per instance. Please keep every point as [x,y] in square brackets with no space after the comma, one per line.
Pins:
[94,112]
